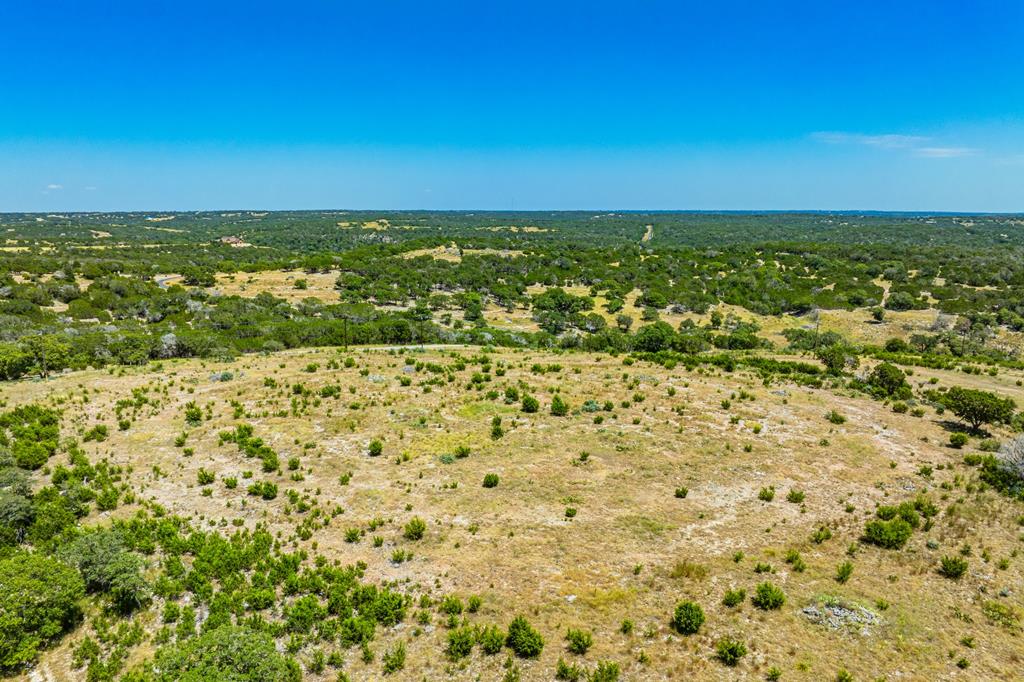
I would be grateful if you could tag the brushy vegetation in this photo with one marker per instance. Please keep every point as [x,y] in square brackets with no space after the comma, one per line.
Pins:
[364,486]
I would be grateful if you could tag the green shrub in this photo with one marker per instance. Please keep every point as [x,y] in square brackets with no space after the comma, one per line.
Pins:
[303,614]
[491,639]
[905,510]
[460,643]
[523,639]
[729,651]
[688,618]
[355,630]
[490,480]
[376,448]
[568,672]
[795,496]
[836,418]
[579,641]
[530,404]
[958,439]
[606,671]
[559,408]
[888,381]
[734,598]
[97,433]
[888,534]
[451,605]
[843,572]
[768,597]
[766,494]
[193,414]
[415,529]
[264,489]
[952,567]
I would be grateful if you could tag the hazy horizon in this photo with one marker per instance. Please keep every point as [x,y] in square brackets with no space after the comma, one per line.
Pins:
[638,211]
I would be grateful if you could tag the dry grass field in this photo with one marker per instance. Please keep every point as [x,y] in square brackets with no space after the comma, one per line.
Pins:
[280,283]
[664,471]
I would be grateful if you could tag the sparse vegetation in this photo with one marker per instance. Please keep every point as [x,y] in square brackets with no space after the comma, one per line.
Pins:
[232,472]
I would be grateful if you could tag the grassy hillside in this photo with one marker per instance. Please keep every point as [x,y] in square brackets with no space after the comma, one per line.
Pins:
[658,486]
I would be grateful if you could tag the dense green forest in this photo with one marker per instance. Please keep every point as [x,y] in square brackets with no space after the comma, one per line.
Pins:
[83,289]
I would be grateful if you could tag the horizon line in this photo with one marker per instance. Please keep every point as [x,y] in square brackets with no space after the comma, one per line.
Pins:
[861,211]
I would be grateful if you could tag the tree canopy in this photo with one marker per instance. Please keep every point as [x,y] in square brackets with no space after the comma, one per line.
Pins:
[225,654]
[977,407]
[39,600]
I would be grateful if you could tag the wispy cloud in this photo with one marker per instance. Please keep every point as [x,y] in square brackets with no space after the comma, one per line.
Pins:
[53,186]
[889,141]
[944,152]
[918,145]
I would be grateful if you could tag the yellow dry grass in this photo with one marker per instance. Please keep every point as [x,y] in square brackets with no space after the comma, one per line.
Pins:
[634,549]
[280,283]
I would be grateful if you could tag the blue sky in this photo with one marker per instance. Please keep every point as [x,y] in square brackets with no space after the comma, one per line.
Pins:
[694,105]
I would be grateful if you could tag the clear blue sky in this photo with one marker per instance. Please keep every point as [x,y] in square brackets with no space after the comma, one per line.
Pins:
[913,105]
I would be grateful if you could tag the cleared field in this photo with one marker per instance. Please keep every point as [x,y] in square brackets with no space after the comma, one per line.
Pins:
[453,253]
[282,284]
[633,548]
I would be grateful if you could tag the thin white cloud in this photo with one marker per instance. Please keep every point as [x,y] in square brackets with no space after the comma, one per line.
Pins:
[888,141]
[915,144]
[53,185]
[90,188]
[944,152]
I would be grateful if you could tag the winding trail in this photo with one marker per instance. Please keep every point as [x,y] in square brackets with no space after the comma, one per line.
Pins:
[164,281]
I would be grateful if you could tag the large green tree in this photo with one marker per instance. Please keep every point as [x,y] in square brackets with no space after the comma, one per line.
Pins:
[978,408]
[890,381]
[652,338]
[109,567]
[38,601]
[225,654]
